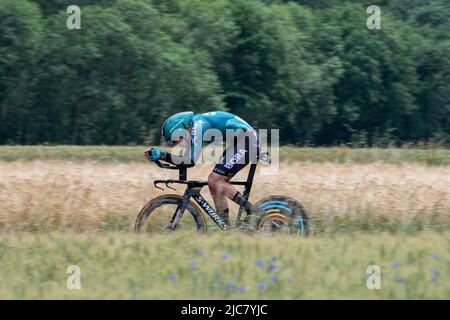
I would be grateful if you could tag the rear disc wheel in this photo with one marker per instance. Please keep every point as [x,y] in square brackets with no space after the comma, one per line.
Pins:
[279,215]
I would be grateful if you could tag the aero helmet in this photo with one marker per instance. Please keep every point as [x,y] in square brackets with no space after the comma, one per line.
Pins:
[179,120]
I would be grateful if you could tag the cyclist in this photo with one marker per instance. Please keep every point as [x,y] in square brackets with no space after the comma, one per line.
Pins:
[242,148]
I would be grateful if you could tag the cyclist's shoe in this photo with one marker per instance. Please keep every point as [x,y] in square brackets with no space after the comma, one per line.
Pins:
[253,219]
[224,215]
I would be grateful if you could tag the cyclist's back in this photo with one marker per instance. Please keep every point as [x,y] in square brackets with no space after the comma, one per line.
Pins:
[221,121]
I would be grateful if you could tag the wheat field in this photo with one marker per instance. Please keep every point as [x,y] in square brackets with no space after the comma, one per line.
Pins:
[82,196]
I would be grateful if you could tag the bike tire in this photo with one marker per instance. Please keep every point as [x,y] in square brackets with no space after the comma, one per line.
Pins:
[286,211]
[165,200]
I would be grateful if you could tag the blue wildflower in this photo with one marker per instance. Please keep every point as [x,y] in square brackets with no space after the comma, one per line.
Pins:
[395,264]
[290,280]
[274,278]
[399,279]
[231,287]
[200,252]
[242,289]
[226,257]
[261,286]
[435,257]
[260,264]
[172,276]
[193,264]
[435,271]
[273,259]
[272,267]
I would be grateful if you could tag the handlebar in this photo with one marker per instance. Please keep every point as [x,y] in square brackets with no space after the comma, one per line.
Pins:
[182,169]
[191,183]
[167,165]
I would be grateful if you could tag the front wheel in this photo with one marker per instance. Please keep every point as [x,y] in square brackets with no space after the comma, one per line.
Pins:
[156,215]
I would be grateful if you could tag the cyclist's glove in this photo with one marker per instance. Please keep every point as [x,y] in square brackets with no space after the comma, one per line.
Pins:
[154,154]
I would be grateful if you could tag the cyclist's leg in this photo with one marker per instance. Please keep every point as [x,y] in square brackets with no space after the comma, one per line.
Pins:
[221,189]
[235,158]
[218,182]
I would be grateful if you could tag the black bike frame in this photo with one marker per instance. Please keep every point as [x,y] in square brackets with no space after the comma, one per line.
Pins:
[193,191]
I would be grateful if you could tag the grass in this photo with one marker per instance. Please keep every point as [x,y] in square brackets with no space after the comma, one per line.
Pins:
[224,266]
[128,154]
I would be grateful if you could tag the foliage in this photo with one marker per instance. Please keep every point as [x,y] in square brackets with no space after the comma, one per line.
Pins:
[309,68]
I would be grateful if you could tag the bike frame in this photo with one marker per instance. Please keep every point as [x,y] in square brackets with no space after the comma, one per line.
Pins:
[193,191]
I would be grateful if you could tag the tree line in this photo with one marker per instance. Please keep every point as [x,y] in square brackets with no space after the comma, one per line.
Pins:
[311,68]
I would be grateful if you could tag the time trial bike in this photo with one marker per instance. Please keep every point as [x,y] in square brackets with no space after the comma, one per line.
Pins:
[170,212]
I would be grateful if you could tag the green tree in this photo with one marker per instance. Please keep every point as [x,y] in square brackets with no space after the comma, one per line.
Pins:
[376,92]
[309,68]
[116,78]
[20,36]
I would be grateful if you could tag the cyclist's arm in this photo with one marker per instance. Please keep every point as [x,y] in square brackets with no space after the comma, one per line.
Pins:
[196,145]
[194,148]
[176,159]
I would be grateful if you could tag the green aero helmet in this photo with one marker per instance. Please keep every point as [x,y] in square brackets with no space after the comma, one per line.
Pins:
[179,120]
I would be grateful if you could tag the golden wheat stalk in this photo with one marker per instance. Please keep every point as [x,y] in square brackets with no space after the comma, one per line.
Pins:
[81,196]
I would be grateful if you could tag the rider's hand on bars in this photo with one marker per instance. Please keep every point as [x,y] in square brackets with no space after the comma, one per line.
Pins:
[154,154]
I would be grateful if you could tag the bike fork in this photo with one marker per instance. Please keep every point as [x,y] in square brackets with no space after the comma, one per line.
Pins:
[179,212]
